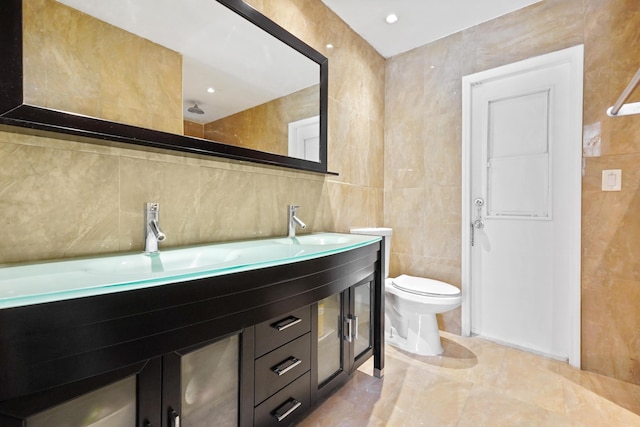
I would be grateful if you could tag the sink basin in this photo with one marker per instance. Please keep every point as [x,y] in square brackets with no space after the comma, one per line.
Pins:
[170,261]
[324,239]
[40,282]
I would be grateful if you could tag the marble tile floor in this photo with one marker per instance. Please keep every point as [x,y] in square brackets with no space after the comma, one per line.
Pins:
[477,383]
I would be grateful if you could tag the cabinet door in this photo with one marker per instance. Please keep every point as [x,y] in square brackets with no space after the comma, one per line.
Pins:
[342,325]
[123,398]
[361,297]
[201,385]
[331,362]
[113,405]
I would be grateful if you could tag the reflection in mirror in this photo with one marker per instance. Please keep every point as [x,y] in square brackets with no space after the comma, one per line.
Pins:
[192,68]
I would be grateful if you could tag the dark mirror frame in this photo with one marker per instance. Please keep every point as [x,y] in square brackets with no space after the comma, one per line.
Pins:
[15,113]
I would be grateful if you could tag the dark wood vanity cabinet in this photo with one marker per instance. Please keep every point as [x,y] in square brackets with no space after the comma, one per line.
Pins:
[241,349]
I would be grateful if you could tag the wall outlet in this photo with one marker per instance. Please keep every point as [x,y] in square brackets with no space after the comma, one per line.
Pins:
[612,180]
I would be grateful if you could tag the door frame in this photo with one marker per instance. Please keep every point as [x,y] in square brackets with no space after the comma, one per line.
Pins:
[575,57]
[294,135]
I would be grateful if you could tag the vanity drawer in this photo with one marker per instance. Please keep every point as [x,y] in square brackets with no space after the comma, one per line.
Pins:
[275,332]
[286,406]
[275,370]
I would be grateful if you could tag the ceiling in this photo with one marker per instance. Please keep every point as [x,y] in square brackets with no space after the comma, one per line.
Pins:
[419,21]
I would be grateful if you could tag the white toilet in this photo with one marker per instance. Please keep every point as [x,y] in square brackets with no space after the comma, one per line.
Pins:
[411,305]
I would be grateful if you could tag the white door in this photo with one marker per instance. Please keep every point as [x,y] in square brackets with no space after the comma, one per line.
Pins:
[522,190]
[304,139]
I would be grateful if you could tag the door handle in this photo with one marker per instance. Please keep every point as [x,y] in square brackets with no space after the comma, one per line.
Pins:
[479,203]
[353,333]
[478,223]
[174,418]
[348,336]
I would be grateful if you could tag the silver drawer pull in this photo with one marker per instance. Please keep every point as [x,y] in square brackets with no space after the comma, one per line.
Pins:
[294,405]
[286,323]
[286,366]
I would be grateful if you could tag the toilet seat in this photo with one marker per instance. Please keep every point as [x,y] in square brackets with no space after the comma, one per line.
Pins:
[425,287]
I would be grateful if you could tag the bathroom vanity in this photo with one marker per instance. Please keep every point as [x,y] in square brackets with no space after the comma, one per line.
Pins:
[242,333]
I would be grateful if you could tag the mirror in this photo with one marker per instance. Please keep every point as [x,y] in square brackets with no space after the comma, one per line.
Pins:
[211,77]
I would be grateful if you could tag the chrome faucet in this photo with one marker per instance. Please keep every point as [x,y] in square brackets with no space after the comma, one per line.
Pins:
[294,221]
[152,232]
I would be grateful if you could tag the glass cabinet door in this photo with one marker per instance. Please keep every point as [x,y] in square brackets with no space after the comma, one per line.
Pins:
[345,337]
[362,317]
[125,397]
[210,385]
[329,337]
[110,406]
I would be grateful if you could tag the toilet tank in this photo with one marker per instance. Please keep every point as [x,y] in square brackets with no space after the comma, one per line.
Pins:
[379,231]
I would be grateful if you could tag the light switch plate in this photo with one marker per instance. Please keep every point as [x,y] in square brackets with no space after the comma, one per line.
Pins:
[612,180]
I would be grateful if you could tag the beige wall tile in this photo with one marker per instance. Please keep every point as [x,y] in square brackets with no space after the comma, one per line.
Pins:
[376,156]
[597,126]
[597,35]
[404,153]
[540,28]
[607,332]
[225,214]
[56,203]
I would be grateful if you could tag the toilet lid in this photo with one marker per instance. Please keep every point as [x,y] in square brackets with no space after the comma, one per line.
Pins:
[422,286]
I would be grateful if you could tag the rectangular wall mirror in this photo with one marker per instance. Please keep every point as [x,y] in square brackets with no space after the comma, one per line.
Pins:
[212,77]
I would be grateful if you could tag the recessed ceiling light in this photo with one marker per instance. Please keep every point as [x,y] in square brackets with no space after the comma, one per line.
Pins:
[211,90]
[329,46]
[391,18]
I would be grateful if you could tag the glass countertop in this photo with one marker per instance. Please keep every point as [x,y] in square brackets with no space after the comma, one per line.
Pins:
[35,283]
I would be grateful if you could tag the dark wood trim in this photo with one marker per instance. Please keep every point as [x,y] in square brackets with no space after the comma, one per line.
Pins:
[39,118]
[314,352]
[360,358]
[320,391]
[247,346]
[171,387]
[378,307]
[11,43]
[149,400]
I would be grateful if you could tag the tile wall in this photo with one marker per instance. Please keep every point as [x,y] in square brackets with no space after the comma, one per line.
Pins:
[422,159]
[63,197]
